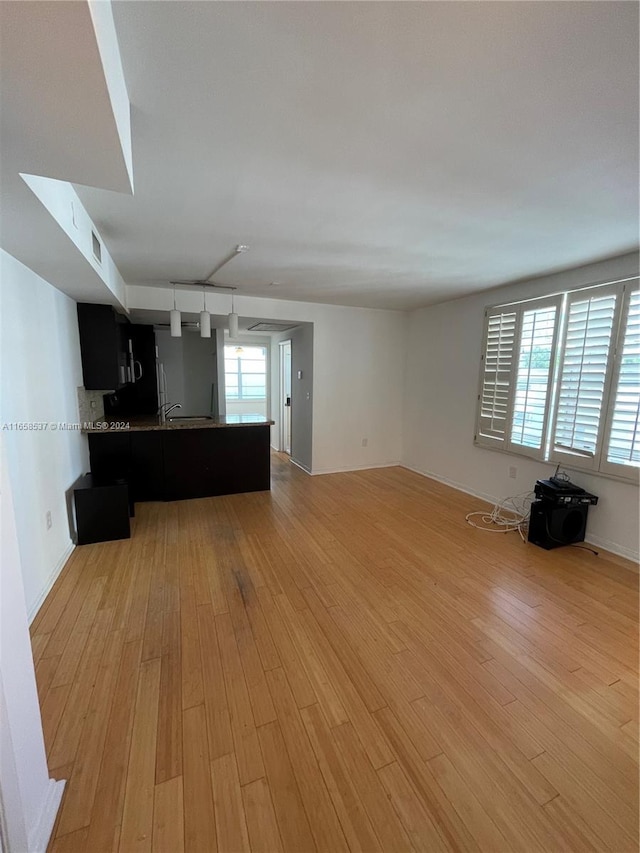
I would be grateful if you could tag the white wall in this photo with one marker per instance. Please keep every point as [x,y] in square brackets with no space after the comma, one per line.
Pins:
[357,372]
[41,370]
[200,374]
[170,357]
[276,338]
[62,202]
[28,798]
[222,402]
[190,366]
[441,385]
[302,362]
[107,40]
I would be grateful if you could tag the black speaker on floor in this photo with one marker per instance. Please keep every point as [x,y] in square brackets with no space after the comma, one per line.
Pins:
[551,526]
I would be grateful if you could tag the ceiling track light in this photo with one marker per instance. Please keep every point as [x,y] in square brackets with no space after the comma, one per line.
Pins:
[205,317]
[239,249]
[175,318]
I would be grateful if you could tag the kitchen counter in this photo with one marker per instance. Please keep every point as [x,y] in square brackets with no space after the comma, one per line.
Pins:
[148,424]
[178,461]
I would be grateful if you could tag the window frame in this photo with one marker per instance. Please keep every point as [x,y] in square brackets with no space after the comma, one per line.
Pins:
[576,461]
[615,469]
[511,445]
[238,372]
[598,464]
[484,438]
[506,445]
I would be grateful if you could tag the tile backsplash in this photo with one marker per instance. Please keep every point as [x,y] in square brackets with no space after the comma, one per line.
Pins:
[90,405]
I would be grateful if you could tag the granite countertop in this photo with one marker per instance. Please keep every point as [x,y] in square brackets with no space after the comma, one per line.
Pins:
[148,423]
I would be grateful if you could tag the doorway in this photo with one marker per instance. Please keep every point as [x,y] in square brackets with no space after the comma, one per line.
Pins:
[285,397]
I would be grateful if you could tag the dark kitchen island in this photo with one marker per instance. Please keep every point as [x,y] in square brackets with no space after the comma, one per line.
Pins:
[184,457]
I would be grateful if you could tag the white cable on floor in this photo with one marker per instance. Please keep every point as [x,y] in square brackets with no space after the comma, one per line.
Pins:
[512,513]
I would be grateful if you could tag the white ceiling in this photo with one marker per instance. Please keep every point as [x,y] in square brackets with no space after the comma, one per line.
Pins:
[56,121]
[378,154]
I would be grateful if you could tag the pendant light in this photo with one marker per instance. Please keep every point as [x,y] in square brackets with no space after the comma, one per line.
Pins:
[175,319]
[233,322]
[205,317]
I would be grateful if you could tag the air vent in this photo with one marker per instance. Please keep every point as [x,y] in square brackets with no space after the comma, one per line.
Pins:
[271,327]
[97,247]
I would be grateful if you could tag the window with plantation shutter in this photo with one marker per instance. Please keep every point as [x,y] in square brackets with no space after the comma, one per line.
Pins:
[496,381]
[516,373]
[623,438]
[560,379]
[536,347]
[584,367]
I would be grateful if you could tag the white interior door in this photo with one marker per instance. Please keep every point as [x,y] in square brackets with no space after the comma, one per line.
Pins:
[285,396]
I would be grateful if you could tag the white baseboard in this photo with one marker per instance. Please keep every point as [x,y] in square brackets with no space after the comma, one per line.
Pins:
[460,487]
[41,833]
[299,465]
[346,470]
[596,541]
[614,548]
[33,610]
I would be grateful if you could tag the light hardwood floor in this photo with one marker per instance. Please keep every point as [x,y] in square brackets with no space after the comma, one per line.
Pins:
[340,664]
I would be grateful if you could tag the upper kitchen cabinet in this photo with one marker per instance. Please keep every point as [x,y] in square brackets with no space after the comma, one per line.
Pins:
[104,347]
[141,396]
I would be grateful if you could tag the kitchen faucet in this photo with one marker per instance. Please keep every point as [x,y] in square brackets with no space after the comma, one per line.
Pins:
[164,410]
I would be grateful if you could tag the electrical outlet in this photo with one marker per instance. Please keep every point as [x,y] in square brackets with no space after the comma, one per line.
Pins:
[513,472]
[49,521]
[365,442]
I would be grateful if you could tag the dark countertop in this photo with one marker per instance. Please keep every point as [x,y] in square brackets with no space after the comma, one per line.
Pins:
[148,423]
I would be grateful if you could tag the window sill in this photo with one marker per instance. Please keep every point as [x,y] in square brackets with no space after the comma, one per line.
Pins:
[630,481]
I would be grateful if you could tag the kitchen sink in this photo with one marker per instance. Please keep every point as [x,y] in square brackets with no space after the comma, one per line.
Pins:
[186,419]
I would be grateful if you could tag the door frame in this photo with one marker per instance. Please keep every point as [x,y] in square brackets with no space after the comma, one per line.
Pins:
[283,414]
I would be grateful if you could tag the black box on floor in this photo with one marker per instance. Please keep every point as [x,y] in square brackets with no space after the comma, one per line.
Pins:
[101,510]
[552,525]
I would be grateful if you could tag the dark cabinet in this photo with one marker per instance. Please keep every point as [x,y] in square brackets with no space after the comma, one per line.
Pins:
[110,459]
[140,396]
[146,476]
[110,455]
[101,510]
[177,464]
[103,347]
[133,456]
[143,344]
[224,461]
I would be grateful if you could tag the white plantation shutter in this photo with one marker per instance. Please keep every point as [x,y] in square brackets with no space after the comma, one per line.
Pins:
[623,437]
[560,379]
[584,369]
[536,350]
[497,364]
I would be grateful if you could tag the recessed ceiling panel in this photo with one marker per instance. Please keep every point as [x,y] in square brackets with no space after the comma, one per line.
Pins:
[271,327]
